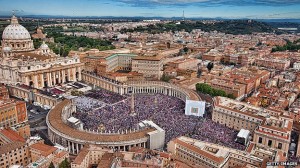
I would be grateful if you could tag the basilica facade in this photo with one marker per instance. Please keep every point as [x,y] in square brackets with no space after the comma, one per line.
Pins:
[21,63]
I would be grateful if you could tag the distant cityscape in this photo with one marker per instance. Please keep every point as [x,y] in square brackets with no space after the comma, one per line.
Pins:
[160,92]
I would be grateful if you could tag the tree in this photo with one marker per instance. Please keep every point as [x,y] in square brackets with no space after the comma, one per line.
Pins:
[231,96]
[165,78]
[51,165]
[207,89]
[230,27]
[221,93]
[264,102]
[210,66]
[185,49]
[65,164]
[290,46]
[67,43]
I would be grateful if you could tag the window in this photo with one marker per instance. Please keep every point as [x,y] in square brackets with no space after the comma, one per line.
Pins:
[260,140]
[279,145]
[270,143]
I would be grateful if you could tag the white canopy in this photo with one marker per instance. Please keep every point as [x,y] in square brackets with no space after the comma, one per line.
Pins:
[243,133]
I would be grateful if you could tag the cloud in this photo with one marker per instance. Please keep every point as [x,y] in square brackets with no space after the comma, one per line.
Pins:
[205,3]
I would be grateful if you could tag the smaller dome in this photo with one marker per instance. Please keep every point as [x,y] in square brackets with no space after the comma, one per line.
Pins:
[6,49]
[44,46]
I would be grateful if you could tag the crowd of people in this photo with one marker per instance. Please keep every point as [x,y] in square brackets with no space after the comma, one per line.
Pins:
[210,131]
[165,111]
[105,96]
[87,104]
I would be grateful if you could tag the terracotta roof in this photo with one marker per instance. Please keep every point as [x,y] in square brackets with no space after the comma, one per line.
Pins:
[13,136]
[165,155]
[276,128]
[61,154]
[106,160]
[33,55]
[270,134]
[57,123]
[82,154]
[180,164]
[156,58]
[43,148]
[137,149]
[219,160]
[11,146]
[250,147]
[193,95]
[245,113]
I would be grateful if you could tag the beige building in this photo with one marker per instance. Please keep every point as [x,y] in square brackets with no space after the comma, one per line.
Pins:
[13,149]
[202,154]
[236,89]
[150,66]
[21,63]
[119,62]
[213,56]
[103,158]
[190,63]
[269,127]
[236,115]
[34,95]
[39,34]
[13,113]
[42,155]
[107,61]
[275,132]
[274,63]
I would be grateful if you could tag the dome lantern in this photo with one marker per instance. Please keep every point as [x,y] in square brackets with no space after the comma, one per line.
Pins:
[14,20]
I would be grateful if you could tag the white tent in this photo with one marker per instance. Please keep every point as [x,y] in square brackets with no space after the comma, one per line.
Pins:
[244,133]
[243,136]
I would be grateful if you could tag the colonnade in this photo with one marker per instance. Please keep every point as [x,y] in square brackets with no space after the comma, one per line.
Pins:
[31,95]
[158,89]
[139,87]
[104,83]
[75,145]
[52,78]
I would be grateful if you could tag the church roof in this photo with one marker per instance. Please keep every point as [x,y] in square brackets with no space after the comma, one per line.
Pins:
[15,31]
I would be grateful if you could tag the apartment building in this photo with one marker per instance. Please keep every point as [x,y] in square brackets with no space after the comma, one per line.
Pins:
[198,153]
[269,127]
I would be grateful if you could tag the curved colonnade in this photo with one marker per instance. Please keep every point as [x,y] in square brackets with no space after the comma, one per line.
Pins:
[60,132]
[141,87]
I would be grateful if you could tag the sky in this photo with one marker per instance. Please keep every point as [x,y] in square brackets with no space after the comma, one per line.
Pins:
[255,9]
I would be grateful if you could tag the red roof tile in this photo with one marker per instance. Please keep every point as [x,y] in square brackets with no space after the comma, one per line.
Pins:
[12,135]
[43,148]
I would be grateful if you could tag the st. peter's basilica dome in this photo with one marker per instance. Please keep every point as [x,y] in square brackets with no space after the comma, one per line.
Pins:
[15,31]
[17,37]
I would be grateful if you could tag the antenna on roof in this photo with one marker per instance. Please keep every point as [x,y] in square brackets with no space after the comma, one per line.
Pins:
[15,11]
